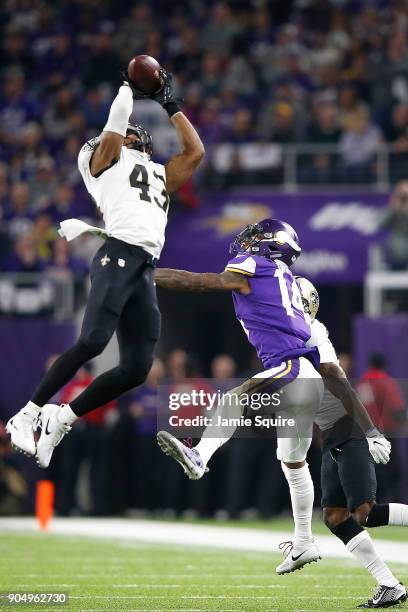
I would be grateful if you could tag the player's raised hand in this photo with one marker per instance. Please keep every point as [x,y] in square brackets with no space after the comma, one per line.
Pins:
[165,93]
[165,96]
[137,94]
[380,448]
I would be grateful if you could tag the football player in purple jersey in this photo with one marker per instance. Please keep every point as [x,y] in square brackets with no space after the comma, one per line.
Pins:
[269,307]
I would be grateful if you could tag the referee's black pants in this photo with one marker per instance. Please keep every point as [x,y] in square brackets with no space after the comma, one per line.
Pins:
[122,299]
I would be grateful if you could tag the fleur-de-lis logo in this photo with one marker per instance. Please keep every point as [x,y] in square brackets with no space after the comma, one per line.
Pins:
[105,260]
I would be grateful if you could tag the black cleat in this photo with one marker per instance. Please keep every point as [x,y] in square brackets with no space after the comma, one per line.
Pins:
[385,597]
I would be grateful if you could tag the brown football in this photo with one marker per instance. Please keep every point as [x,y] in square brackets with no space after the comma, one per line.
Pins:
[143,71]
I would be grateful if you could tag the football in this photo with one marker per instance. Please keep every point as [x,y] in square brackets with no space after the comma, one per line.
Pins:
[144,72]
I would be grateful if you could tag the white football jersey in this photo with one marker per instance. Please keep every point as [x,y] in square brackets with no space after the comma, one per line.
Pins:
[132,197]
[331,409]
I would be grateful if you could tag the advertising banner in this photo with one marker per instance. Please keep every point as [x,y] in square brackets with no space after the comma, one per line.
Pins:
[335,231]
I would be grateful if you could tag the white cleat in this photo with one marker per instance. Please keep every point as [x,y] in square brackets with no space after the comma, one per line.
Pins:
[21,428]
[52,432]
[189,458]
[297,557]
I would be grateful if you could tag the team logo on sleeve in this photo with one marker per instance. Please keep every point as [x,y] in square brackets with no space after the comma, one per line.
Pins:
[105,260]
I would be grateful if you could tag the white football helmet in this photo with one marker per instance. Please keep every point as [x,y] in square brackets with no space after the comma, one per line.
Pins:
[310,296]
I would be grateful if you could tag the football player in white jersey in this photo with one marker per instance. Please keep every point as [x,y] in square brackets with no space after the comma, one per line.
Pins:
[348,476]
[132,193]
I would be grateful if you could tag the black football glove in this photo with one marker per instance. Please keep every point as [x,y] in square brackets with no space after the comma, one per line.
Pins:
[165,96]
[137,94]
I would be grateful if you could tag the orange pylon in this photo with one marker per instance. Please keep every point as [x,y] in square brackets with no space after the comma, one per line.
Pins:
[44,502]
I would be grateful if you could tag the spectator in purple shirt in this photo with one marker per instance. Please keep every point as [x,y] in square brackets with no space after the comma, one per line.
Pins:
[67,160]
[16,107]
[65,204]
[95,109]
[62,259]
[14,51]
[24,257]
[242,128]
[359,144]
[59,63]
[17,216]
[103,54]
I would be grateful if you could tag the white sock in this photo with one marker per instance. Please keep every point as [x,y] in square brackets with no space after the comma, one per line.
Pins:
[398,514]
[362,547]
[214,436]
[302,496]
[66,415]
[32,409]
[207,447]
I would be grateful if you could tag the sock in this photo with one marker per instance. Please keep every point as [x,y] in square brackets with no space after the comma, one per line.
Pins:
[398,514]
[347,530]
[362,548]
[302,496]
[214,436]
[388,514]
[66,415]
[379,515]
[32,409]
[207,447]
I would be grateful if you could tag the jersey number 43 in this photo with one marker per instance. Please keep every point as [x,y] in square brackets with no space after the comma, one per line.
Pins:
[139,179]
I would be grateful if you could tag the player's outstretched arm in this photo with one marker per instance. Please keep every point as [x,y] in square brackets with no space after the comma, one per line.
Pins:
[337,383]
[206,281]
[180,167]
[109,148]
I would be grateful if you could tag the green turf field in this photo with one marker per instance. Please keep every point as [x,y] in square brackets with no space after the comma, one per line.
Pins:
[115,575]
[398,534]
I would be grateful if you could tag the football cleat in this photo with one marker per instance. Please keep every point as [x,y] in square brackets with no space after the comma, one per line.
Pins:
[21,428]
[385,597]
[297,557]
[189,458]
[52,432]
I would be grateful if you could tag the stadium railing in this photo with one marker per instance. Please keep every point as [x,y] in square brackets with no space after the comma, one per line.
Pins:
[304,164]
[36,294]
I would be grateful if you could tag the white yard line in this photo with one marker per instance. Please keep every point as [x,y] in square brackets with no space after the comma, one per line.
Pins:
[203,536]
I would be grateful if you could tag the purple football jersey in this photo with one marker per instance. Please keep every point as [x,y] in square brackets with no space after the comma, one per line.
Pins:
[272,314]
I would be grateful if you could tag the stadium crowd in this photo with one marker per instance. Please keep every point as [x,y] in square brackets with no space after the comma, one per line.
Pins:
[323,72]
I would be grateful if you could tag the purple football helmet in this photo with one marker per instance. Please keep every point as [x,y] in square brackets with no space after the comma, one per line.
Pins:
[269,238]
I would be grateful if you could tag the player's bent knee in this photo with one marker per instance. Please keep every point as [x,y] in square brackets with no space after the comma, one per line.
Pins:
[334,516]
[95,342]
[86,350]
[292,450]
[360,514]
[135,375]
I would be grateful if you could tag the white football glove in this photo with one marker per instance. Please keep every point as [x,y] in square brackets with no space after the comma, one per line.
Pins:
[379,448]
